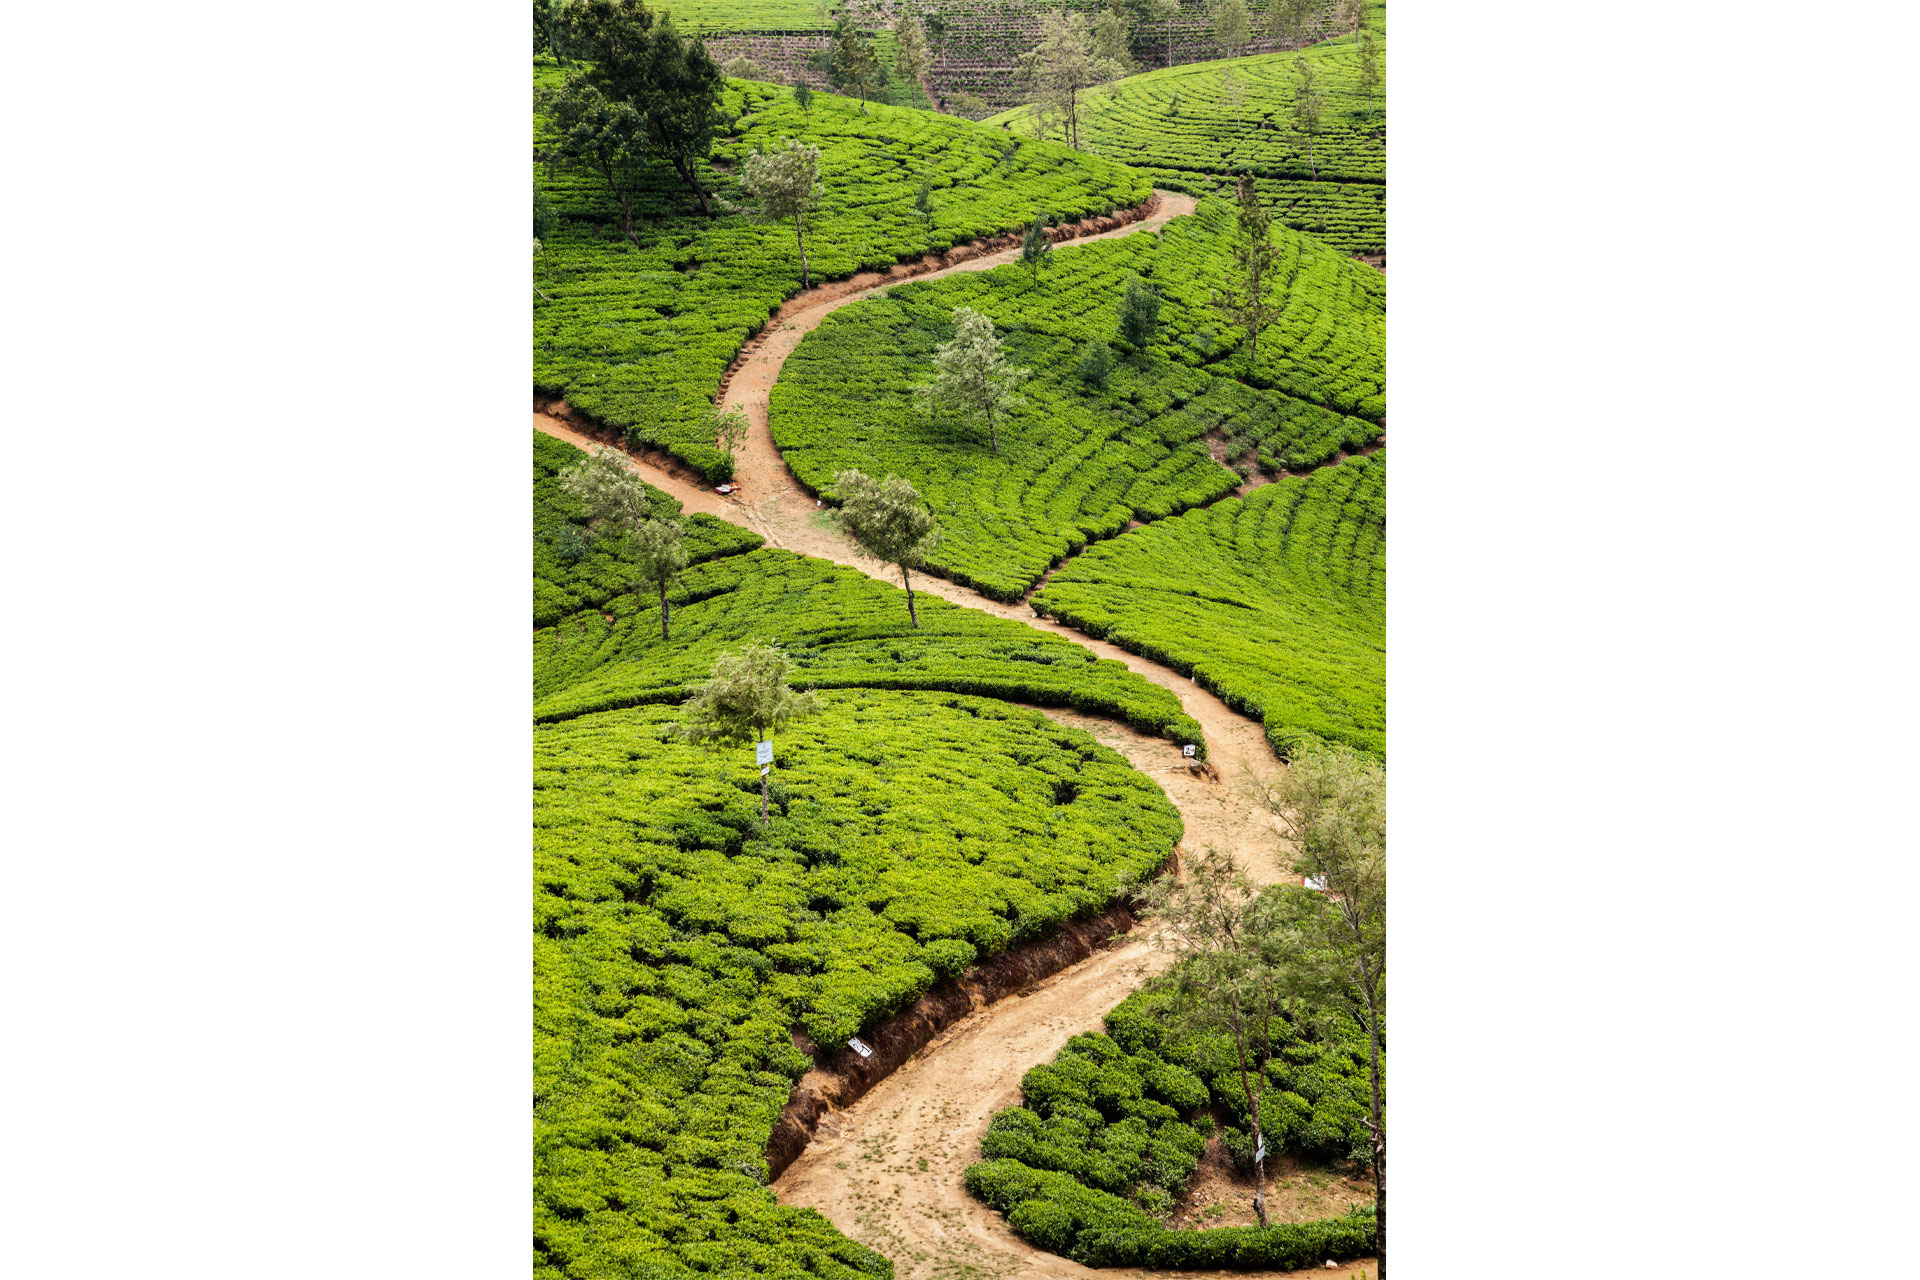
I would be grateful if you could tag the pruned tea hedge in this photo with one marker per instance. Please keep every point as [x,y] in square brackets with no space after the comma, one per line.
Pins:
[1275,602]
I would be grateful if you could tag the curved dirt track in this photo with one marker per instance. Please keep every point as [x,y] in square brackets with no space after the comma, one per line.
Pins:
[887,1169]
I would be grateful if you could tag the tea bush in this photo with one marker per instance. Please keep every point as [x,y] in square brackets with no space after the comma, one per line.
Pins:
[1104,1140]
[676,942]
[1177,124]
[639,336]
[1276,601]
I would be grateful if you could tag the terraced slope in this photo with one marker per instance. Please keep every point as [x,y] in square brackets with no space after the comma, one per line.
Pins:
[1080,462]
[1277,602]
[1181,126]
[676,942]
[639,335]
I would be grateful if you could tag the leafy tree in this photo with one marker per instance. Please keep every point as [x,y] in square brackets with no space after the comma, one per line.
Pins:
[1096,364]
[972,376]
[607,137]
[1225,936]
[745,700]
[1332,955]
[1230,25]
[741,67]
[1231,93]
[544,218]
[1139,313]
[1113,44]
[1309,105]
[1246,301]
[640,62]
[1366,52]
[1290,20]
[549,30]
[730,428]
[803,97]
[786,182]
[614,499]
[1162,11]
[923,198]
[1061,67]
[853,61]
[888,520]
[660,552]
[1036,247]
[910,57]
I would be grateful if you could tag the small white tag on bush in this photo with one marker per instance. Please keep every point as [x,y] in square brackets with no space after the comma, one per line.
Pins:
[1187,751]
[763,753]
[1317,883]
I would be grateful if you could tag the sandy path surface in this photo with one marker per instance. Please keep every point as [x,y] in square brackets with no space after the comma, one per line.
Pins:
[887,1170]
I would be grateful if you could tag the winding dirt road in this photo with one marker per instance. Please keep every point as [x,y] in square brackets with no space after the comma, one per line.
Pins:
[887,1169]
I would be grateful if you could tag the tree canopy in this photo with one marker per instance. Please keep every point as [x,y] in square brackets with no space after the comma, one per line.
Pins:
[972,376]
[786,182]
[889,521]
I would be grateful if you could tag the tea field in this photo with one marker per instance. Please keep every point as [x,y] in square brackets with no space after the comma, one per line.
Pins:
[1181,125]
[1109,1132]
[1080,462]
[677,943]
[639,335]
[1276,601]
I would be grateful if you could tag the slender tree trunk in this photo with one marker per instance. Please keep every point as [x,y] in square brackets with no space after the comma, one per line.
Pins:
[1253,1106]
[763,795]
[909,586]
[1379,1135]
[801,234]
[665,612]
[992,437]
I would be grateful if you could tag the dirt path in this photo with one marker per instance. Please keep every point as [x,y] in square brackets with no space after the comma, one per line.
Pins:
[887,1170]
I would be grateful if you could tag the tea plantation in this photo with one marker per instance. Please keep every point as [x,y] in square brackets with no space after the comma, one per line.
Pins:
[639,335]
[1180,125]
[1276,602]
[676,943]
[1111,1130]
[1080,462]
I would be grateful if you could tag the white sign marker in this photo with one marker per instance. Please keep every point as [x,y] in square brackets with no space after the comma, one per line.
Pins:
[763,753]
[1187,751]
[859,1046]
[1260,1152]
[1317,883]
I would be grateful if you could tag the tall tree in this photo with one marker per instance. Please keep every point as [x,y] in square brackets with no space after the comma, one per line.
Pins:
[803,97]
[1332,951]
[745,699]
[640,62]
[910,57]
[1230,25]
[888,520]
[1162,11]
[1062,66]
[540,256]
[972,375]
[853,61]
[1246,301]
[610,138]
[1309,107]
[1232,95]
[1366,52]
[1222,933]
[1113,44]
[658,548]
[1290,20]
[786,182]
